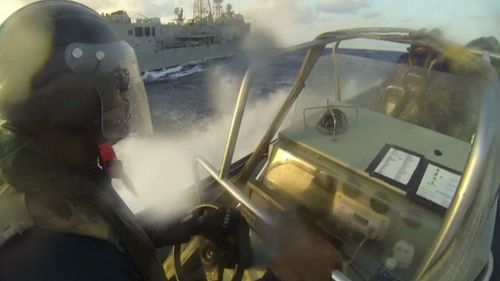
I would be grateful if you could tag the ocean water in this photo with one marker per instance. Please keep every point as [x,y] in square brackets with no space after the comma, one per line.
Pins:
[191,109]
[187,97]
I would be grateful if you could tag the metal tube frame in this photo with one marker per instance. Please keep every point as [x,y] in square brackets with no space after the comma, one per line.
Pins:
[236,193]
[337,96]
[236,122]
[468,185]
[241,103]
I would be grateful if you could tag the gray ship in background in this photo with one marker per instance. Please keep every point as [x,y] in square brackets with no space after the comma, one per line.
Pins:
[213,32]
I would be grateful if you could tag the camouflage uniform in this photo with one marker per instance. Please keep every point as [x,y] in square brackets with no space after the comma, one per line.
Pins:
[41,193]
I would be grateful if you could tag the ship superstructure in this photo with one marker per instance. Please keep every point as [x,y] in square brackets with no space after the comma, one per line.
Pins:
[212,32]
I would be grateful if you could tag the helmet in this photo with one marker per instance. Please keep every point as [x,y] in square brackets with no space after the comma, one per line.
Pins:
[63,67]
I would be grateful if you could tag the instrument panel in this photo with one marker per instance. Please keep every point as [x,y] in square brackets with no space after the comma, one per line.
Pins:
[376,224]
[375,185]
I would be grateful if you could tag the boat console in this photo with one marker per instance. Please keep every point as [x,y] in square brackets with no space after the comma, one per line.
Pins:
[378,185]
[346,184]
[391,164]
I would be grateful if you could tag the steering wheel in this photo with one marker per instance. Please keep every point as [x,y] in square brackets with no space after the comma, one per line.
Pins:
[215,256]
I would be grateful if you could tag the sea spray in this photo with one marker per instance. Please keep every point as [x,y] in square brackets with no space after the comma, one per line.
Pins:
[161,167]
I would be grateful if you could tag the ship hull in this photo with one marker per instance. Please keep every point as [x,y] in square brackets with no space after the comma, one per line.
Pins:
[178,56]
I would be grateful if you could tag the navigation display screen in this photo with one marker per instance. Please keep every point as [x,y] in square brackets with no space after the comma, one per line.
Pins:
[398,165]
[438,185]
[424,181]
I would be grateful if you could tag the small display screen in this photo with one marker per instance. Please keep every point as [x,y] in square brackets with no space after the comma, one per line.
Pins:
[398,165]
[424,181]
[438,185]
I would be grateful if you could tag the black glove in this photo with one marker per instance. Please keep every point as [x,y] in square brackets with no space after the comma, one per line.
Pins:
[229,230]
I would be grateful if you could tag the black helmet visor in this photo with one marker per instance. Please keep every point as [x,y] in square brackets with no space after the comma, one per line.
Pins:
[113,66]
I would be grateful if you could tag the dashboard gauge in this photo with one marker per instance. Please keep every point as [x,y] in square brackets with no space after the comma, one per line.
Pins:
[351,190]
[380,203]
[411,219]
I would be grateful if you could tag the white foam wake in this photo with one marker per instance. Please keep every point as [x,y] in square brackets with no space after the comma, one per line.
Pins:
[171,72]
[155,75]
[187,72]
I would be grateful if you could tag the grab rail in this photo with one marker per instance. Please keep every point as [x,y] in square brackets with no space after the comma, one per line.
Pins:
[468,185]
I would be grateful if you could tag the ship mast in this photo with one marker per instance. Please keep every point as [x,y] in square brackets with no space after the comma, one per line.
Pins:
[202,10]
[218,9]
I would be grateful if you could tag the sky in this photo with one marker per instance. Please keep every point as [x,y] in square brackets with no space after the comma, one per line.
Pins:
[295,21]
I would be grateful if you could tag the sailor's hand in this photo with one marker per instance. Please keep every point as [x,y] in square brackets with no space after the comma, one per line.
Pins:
[228,228]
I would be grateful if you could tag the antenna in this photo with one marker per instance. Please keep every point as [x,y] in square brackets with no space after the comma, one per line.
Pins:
[218,12]
[210,16]
[179,12]
[202,10]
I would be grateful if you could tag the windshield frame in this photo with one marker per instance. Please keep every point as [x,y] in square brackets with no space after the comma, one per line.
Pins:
[486,140]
